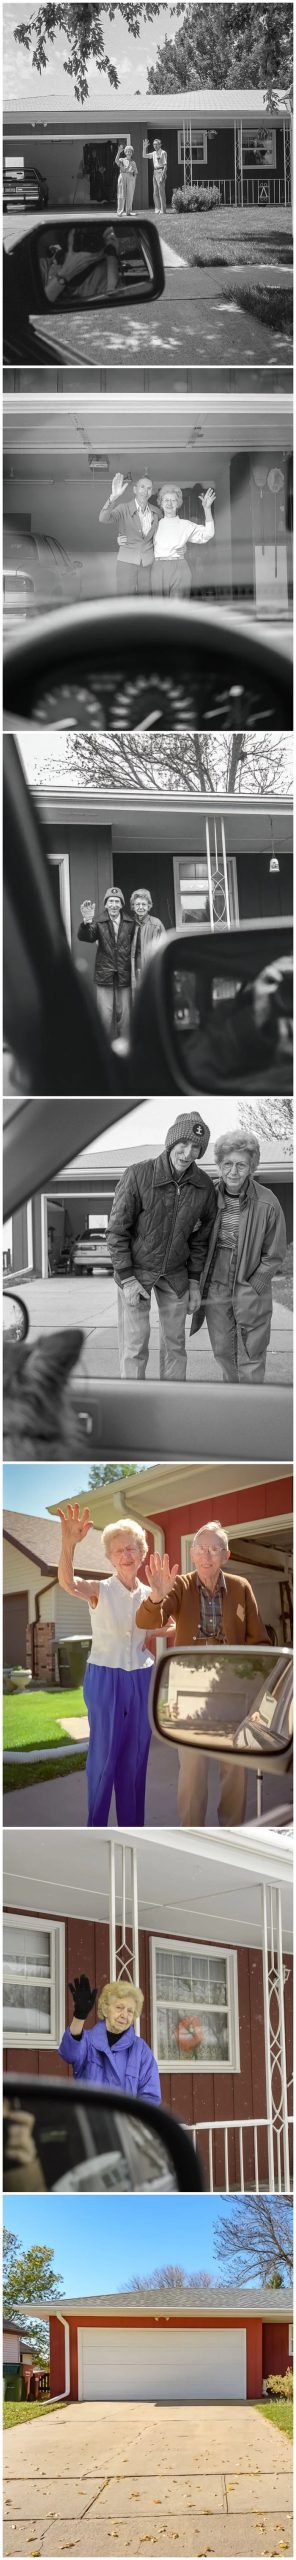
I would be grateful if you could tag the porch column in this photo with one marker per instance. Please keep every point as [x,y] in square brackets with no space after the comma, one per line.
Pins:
[275,2040]
[123,1879]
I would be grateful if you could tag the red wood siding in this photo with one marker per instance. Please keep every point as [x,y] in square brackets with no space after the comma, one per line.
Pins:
[267,1501]
[193,2097]
[101,2320]
[276,2348]
[57,2356]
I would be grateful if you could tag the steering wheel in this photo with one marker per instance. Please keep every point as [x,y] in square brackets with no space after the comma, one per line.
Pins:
[137,663]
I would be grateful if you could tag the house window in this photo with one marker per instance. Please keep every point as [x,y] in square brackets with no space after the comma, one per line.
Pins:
[33,1981]
[194,2006]
[192,145]
[259,147]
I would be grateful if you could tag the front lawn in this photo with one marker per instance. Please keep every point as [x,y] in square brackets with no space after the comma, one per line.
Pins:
[280,2412]
[34,1773]
[229,233]
[16,2412]
[34,1716]
[268,304]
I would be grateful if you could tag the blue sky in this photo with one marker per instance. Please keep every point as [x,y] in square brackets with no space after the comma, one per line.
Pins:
[99,2242]
[22,85]
[29,1488]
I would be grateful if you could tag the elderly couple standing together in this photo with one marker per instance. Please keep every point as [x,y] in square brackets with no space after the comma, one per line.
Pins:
[208,1248]
[123,944]
[207,1606]
[153,536]
[127,173]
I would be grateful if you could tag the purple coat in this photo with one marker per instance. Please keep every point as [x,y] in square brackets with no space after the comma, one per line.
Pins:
[128,2065]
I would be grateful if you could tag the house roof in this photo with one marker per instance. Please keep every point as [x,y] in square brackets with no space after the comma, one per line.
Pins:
[213,103]
[13,2326]
[256,2302]
[41,1540]
[206,1889]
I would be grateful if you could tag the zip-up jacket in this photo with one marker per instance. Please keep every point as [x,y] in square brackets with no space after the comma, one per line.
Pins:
[160,1226]
[113,954]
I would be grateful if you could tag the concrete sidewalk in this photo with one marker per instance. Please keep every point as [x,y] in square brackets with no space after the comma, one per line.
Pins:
[93,1305]
[148,2478]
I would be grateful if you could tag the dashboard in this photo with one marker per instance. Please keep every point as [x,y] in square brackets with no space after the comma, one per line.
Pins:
[90,697]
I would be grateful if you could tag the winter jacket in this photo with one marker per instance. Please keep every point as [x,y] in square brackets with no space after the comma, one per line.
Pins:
[160,1227]
[127,2065]
[261,1246]
[113,955]
[147,934]
[241,1619]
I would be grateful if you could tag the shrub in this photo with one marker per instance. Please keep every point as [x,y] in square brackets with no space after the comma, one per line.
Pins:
[280,2385]
[195,199]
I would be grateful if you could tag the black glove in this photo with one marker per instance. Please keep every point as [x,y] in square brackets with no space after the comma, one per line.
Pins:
[82,1995]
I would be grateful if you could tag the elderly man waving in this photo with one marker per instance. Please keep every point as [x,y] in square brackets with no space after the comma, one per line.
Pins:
[209,1606]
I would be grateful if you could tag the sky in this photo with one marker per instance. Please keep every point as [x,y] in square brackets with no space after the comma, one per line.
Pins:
[30,1488]
[23,87]
[99,2242]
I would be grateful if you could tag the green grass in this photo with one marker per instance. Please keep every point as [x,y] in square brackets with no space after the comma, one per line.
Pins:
[230,232]
[17,2412]
[33,1716]
[34,1772]
[280,2412]
[267,304]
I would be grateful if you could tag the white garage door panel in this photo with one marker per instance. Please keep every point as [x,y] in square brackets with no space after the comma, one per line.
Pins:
[201,2364]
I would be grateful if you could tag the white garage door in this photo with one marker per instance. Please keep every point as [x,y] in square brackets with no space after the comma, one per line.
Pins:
[153,2364]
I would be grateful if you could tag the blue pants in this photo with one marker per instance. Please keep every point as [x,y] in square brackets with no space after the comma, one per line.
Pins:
[119,1742]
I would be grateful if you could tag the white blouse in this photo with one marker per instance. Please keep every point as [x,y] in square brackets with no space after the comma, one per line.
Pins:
[174,531]
[116,1640]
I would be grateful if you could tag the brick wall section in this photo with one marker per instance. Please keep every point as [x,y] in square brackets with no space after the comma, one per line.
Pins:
[43,1646]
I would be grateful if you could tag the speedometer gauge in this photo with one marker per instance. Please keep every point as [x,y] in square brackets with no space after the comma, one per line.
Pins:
[152,702]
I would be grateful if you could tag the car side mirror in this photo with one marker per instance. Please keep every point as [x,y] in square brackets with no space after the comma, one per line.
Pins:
[217,1006]
[237,1704]
[81,264]
[15,1318]
[91,2141]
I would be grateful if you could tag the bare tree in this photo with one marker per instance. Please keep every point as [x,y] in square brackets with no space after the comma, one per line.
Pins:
[269,1120]
[254,2240]
[170,2280]
[185,763]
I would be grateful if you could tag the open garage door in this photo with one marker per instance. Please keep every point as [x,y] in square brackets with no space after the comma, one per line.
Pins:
[171,2364]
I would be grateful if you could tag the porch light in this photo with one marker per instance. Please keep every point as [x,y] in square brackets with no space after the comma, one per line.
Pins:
[274,864]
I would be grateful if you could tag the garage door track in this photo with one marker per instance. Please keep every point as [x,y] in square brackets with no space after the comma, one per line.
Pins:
[143,2479]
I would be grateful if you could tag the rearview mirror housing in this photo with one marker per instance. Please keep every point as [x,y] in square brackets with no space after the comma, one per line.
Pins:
[234,1702]
[91,2138]
[218,1007]
[57,265]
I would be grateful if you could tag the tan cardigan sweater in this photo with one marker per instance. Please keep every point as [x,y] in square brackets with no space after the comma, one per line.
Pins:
[242,1623]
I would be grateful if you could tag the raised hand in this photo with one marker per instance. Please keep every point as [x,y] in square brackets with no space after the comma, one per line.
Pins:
[87,910]
[160,1575]
[118,484]
[82,1995]
[208,497]
[75,1524]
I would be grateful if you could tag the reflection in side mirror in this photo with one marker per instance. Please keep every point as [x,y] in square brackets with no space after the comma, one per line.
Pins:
[91,2143]
[59,265]
[232,1702]
[240,1021]
[15,1318]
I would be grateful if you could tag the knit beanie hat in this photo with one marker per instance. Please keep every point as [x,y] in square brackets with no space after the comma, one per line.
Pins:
[118,1991]
[237,1138]
[184,1129]
[109,894]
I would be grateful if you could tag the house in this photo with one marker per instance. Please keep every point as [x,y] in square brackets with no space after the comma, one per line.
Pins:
[20,2365]
[218,2345]
[254,1504]
[204,1923]
[218,863]
[38,1617]
[230,139]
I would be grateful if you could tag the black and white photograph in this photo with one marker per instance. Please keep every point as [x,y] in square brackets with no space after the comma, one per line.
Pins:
[162,872]
[148,153]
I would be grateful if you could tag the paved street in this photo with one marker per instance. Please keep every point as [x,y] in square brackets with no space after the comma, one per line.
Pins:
[147,2478]
[197,320]
[93,1304]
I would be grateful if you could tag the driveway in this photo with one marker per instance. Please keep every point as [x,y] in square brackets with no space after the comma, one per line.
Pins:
[147,2480]
[93,1304]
